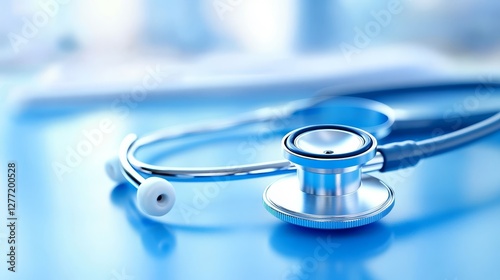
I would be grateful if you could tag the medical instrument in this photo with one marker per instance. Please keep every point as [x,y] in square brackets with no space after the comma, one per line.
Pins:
[331,189]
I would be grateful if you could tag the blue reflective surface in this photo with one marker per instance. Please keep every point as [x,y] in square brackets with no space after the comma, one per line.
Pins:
[81,225]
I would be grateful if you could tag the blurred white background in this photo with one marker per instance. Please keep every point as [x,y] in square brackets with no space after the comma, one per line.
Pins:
[108,43]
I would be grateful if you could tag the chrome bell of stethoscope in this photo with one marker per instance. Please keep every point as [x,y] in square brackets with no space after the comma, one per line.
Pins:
[329,191]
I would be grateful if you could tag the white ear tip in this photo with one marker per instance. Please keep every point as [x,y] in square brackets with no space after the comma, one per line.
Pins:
[155,196]
[113,169]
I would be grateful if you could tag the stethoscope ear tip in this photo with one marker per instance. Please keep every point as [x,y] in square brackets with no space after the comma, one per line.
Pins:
[113,169]
[155,196]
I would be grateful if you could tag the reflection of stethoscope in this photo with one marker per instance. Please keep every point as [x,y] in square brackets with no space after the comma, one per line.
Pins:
[331,189]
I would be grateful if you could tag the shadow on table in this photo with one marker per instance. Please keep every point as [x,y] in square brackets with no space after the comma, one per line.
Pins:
[157,239]
[342,253]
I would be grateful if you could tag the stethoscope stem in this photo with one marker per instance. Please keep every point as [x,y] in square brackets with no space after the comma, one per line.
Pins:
[128,171]
[130,168]
[375,164]
[130,164]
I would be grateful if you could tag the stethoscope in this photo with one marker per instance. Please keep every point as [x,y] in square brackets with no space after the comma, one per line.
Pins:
[331,188]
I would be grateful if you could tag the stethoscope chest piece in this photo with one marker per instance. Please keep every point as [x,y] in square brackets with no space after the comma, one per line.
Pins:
[329,190]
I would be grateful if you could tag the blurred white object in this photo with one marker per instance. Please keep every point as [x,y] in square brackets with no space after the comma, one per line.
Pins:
[110,25]
[85,78]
